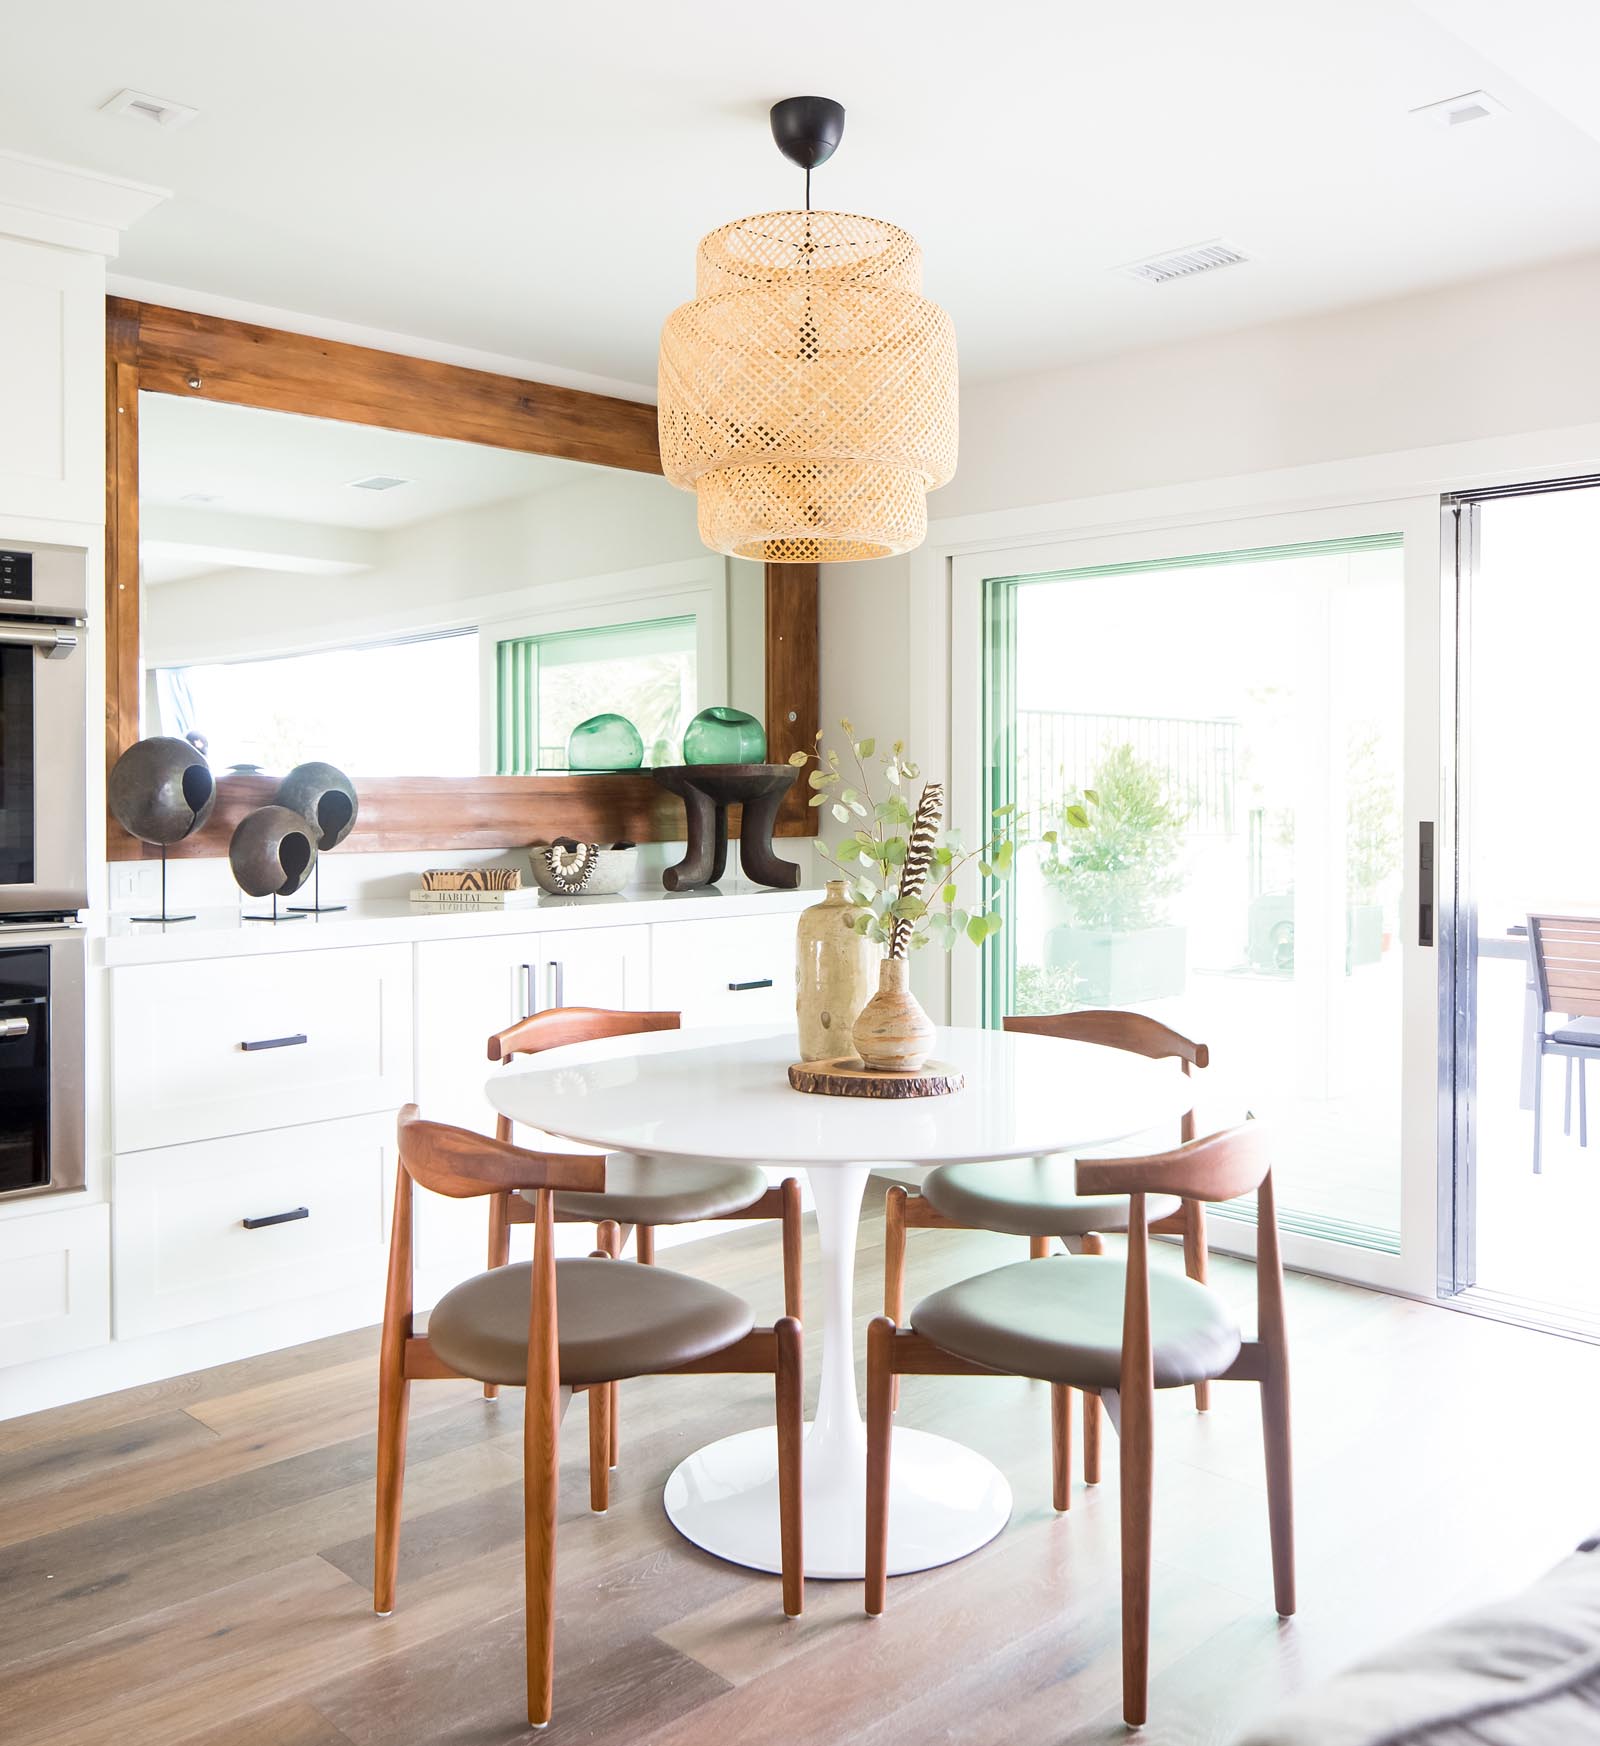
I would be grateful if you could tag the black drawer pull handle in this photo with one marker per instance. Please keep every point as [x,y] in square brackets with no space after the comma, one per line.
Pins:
[284,1218]
[740,987]
[274,1043]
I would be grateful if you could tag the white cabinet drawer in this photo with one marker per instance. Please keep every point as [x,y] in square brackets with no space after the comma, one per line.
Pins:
[737,971]
[55,1282]
[235,1046]
[183,1252]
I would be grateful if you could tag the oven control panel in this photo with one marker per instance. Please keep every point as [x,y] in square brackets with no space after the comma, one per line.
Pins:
[16,575]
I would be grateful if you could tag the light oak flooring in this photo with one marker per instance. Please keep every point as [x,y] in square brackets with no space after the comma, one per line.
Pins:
[189,1564]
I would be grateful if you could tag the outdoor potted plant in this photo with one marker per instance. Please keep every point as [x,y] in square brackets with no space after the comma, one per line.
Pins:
[1372,847]
[1107,886]
[904,877]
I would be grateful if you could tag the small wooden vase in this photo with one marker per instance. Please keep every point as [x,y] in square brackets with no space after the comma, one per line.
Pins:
[893,1034]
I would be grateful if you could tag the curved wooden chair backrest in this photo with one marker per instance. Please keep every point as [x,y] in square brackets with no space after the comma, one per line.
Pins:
[558,1026]
[1222,1166]
[1130,1031]
[460,1163]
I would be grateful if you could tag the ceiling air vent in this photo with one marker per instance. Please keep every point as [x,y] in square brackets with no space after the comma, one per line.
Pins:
[1458,111]
[377,482]
[1185,263]
[141,106]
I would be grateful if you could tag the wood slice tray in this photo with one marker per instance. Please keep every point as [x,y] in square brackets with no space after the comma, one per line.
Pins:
[848,1076]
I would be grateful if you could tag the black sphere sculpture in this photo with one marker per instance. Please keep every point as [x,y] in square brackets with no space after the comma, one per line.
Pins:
[161,791]
[272,854]
[326,798]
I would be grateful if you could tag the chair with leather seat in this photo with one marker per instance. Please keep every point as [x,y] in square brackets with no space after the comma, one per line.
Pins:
[1037,1198]
[557,1328]
[639,1193]
[1121,1331]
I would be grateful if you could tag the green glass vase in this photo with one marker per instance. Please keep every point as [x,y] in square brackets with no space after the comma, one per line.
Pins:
[721,735]
[605,742]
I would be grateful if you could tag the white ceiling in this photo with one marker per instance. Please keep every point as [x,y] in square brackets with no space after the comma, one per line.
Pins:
[530,180]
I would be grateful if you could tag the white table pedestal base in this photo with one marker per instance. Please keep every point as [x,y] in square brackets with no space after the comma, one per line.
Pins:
[945,1500]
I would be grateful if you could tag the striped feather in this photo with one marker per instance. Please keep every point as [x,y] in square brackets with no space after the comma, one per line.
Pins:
[918,862]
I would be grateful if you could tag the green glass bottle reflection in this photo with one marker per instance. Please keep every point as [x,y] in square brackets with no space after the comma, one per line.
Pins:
[605,742]
[721,735]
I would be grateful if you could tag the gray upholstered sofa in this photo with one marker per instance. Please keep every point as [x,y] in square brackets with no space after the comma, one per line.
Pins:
[1523,1672]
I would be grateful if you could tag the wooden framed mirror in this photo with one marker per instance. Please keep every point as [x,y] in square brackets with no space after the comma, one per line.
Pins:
[206,374]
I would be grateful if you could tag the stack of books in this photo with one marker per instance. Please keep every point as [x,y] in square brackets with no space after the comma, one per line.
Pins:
[474,888]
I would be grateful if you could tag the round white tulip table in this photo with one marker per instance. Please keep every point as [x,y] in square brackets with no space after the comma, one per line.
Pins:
[725,1094]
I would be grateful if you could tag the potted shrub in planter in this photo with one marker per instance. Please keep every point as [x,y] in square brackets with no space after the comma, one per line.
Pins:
[1107,884]
[1372,848]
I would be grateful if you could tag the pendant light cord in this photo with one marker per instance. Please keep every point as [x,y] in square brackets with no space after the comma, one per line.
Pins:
[808,188]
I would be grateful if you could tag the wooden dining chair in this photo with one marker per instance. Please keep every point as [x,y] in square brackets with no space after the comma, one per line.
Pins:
[556,1328]
[1122,1331]
[639,1193]
[1037,1198]
[1566,978]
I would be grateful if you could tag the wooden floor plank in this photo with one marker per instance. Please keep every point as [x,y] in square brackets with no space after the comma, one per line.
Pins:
[188,1563]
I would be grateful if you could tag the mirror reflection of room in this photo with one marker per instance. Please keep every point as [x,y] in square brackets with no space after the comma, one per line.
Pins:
[405,605]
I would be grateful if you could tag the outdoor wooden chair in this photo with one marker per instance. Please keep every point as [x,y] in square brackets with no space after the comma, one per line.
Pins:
[1037,1198]
[1566,979]
[639,1193]
[556,1328]
[1120,1331]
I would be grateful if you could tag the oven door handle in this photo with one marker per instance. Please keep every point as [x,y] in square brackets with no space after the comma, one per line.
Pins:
[55,644]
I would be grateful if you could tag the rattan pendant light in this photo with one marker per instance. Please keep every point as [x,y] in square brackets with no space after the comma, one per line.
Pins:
[808,393]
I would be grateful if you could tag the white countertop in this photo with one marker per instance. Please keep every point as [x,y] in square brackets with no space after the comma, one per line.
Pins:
[223,933]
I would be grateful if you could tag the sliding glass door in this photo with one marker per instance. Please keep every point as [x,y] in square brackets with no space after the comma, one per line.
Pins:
[1223,745]
[1527,1192]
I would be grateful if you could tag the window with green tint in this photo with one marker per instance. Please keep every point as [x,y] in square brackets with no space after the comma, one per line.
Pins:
[1239,717]
[548,684]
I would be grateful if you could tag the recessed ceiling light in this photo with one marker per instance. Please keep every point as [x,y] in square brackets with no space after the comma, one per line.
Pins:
[141,106]
[1470,106]
[1185,263]
[377,482]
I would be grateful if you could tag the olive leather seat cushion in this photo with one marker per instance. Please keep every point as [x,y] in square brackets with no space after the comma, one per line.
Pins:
[1030,1197]
[1061,1321]
[614,1319]
[1524,1671]
[663,1191]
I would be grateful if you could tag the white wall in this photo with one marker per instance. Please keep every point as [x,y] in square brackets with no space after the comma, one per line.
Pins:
[1513,353]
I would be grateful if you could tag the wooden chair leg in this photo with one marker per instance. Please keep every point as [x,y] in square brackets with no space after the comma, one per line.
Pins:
[1061,1445]
[608,1236]
[1194,1264]
[394,1395]
[1280,1484]
[1038,1248]
[1093,1412]
[894,1270]
[499,1253]
[1136,1454]
[601,1395]
[644,1244]
[793,1235]
[790,1389]
[880,1431]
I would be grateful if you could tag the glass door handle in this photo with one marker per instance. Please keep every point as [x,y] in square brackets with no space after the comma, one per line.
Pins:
[1425,883]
